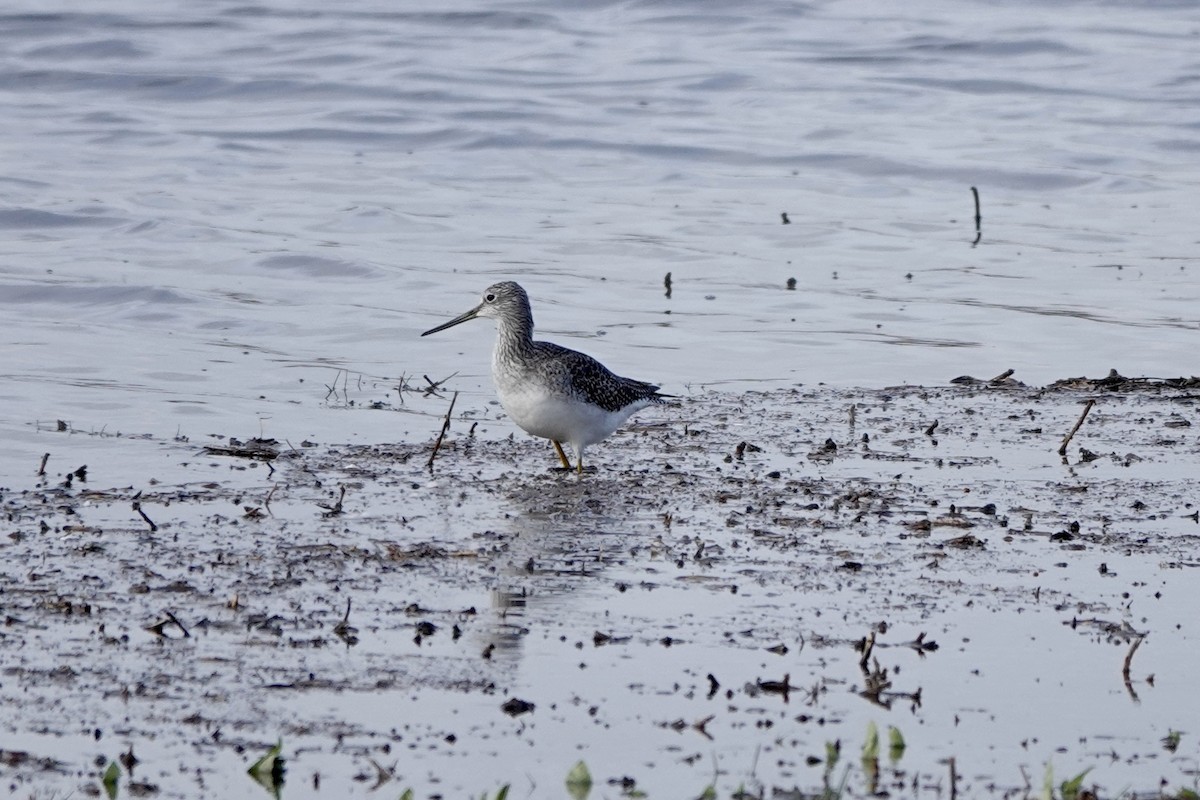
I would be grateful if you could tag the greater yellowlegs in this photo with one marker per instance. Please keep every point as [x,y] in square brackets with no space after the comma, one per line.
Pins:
[550,391]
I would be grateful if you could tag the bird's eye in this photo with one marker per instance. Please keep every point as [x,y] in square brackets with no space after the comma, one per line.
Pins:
[489,298]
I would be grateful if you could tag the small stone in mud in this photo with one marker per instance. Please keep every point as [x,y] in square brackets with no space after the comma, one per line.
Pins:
[625,783]
[745,447]
[515,707]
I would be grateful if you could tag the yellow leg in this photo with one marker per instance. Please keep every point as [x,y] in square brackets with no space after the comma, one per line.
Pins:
[561,455]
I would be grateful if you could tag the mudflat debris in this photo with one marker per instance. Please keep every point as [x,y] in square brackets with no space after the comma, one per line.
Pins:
[891,553]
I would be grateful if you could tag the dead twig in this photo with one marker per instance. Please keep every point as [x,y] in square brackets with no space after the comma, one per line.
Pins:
[868,644]
[435,386]
[978,218]
[178,624]
[1003,376]
[382,774]
[258,449]
[920,645]
[137,506]
[42,467]
[783,687]
[1129,661]
[1062,450]
[402,387]
[1129,656]
[159,628]
[332,390]
[344,630]
[336,508]
[445,428]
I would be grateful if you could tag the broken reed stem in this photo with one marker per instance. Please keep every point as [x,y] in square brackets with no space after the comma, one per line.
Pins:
[42,467]
[178,624]
[1003,376]
[978,218]
[337,507]
[137,506]
[868,646]
[1062,451]
[953,779]
[445,427]
[1129,657]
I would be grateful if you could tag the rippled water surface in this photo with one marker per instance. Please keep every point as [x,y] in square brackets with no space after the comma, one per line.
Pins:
[214,214]
[205,204]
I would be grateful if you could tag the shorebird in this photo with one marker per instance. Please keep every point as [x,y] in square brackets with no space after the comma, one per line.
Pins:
[551,391]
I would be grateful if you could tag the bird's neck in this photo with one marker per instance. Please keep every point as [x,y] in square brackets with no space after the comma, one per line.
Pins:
[514,338]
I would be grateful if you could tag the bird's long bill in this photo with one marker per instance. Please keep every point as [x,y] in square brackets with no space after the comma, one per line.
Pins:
[474,312]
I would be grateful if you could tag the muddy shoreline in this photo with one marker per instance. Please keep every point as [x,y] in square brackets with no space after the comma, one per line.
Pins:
[693,613]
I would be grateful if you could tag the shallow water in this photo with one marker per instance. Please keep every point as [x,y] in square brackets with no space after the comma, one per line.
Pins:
[209,210]
[228,219]
[607,600]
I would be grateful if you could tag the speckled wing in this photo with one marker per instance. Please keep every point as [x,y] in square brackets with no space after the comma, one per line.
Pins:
[592,381]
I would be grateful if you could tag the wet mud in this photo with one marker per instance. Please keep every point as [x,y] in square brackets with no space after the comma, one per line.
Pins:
[743,589]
